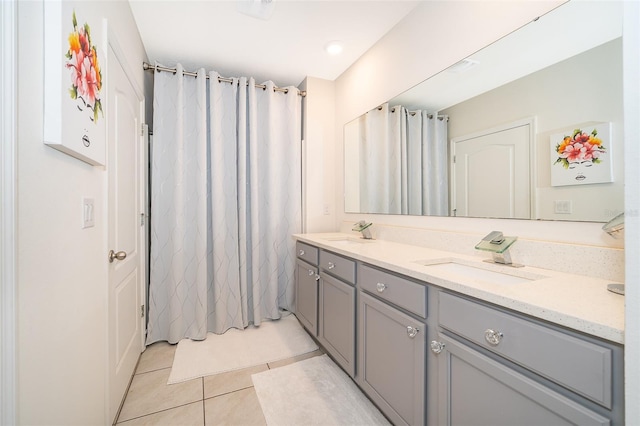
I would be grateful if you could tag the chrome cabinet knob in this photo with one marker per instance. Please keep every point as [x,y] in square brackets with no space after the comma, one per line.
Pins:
[331,265]
[121,255]
[493,337]
[317,277]
[301,253]
[436,347]
[381,287]
[311,272]
[412,331]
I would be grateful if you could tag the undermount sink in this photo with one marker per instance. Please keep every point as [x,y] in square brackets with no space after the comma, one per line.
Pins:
[496,274]
[347,240]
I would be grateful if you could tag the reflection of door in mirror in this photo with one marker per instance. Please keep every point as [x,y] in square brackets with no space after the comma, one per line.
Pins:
[491,173]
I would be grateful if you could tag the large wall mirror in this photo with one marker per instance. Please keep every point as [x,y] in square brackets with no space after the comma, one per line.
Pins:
[529,127]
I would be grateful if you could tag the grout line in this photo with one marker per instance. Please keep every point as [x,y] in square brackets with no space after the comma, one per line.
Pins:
[151,371]
[230,392]
[159,411]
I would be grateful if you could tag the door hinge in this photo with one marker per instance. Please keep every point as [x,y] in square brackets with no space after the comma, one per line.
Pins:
[141,219]
[142,129]
[454,159]
[141,311]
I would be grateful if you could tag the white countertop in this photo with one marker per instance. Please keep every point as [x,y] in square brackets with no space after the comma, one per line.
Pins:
[574,301]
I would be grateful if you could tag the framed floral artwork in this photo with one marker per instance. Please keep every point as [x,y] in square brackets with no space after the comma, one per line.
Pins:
[582,156]
[74,90]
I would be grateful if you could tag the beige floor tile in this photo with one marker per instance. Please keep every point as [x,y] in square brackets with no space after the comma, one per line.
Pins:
[231,381]
[156,357]
[185,415]
[288,361]
[149,393]
[237,408]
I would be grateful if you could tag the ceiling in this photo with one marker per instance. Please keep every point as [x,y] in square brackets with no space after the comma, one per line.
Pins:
[285,48]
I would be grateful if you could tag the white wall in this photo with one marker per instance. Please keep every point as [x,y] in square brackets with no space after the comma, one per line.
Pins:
[319,154]
[62,279]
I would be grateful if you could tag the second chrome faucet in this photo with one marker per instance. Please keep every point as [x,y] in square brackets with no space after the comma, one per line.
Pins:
[363,227]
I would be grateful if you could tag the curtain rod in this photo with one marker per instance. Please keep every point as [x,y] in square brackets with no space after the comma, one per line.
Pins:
[412,113]
[148,67]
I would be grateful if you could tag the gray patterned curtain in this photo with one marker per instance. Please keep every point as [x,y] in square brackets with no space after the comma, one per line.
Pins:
[225,200]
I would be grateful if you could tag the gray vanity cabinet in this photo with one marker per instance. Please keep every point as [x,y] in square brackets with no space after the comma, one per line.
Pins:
[337,306]
[391,348]
[306,278]
[495,367]
[477,390]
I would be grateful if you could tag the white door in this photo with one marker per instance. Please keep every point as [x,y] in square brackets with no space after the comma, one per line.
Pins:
[491,173]
[124,231]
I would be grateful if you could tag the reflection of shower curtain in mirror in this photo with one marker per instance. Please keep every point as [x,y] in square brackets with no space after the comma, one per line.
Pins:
[403,162]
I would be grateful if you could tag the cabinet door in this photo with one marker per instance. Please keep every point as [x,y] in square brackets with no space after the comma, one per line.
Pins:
[477,390]
[336,330]
[307,296]
[391,368]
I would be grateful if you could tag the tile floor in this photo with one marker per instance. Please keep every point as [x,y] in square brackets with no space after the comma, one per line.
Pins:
[223,399]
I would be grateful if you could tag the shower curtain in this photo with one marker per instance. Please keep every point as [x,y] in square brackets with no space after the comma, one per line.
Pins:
[427,138]
[382,131]
[225,199]
[403,162]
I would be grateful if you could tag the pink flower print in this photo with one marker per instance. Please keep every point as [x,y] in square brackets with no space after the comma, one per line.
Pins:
[582,137]
[89,81]
[573,153]
[76,66]
[86,78]
[85,46]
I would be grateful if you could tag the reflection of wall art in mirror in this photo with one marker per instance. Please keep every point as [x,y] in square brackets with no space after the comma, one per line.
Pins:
[582,156]
[73,88]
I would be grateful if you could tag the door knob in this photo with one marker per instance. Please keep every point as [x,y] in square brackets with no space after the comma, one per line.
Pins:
[121,255]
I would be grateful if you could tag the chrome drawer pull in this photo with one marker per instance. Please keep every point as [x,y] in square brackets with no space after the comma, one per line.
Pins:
[412,331]
[311,272]
[493,337]
[301,253]
[331,265]
[436,347]
[381,287]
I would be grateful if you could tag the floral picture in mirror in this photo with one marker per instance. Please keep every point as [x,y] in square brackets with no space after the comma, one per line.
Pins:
[582,156]
[74,92]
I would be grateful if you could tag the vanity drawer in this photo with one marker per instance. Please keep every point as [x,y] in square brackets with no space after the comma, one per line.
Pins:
[307,253]
[397,290]
[338,266]
[577,364]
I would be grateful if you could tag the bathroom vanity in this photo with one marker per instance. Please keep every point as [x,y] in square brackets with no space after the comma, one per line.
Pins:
[434,337]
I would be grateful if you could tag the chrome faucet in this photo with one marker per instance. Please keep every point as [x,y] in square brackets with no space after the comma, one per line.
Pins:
[363,227]
[498,245]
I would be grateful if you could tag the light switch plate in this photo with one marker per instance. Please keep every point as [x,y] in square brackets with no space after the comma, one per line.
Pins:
[563,207]
[88,213]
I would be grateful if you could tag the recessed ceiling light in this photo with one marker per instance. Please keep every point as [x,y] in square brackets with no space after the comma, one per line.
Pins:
[333,48]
